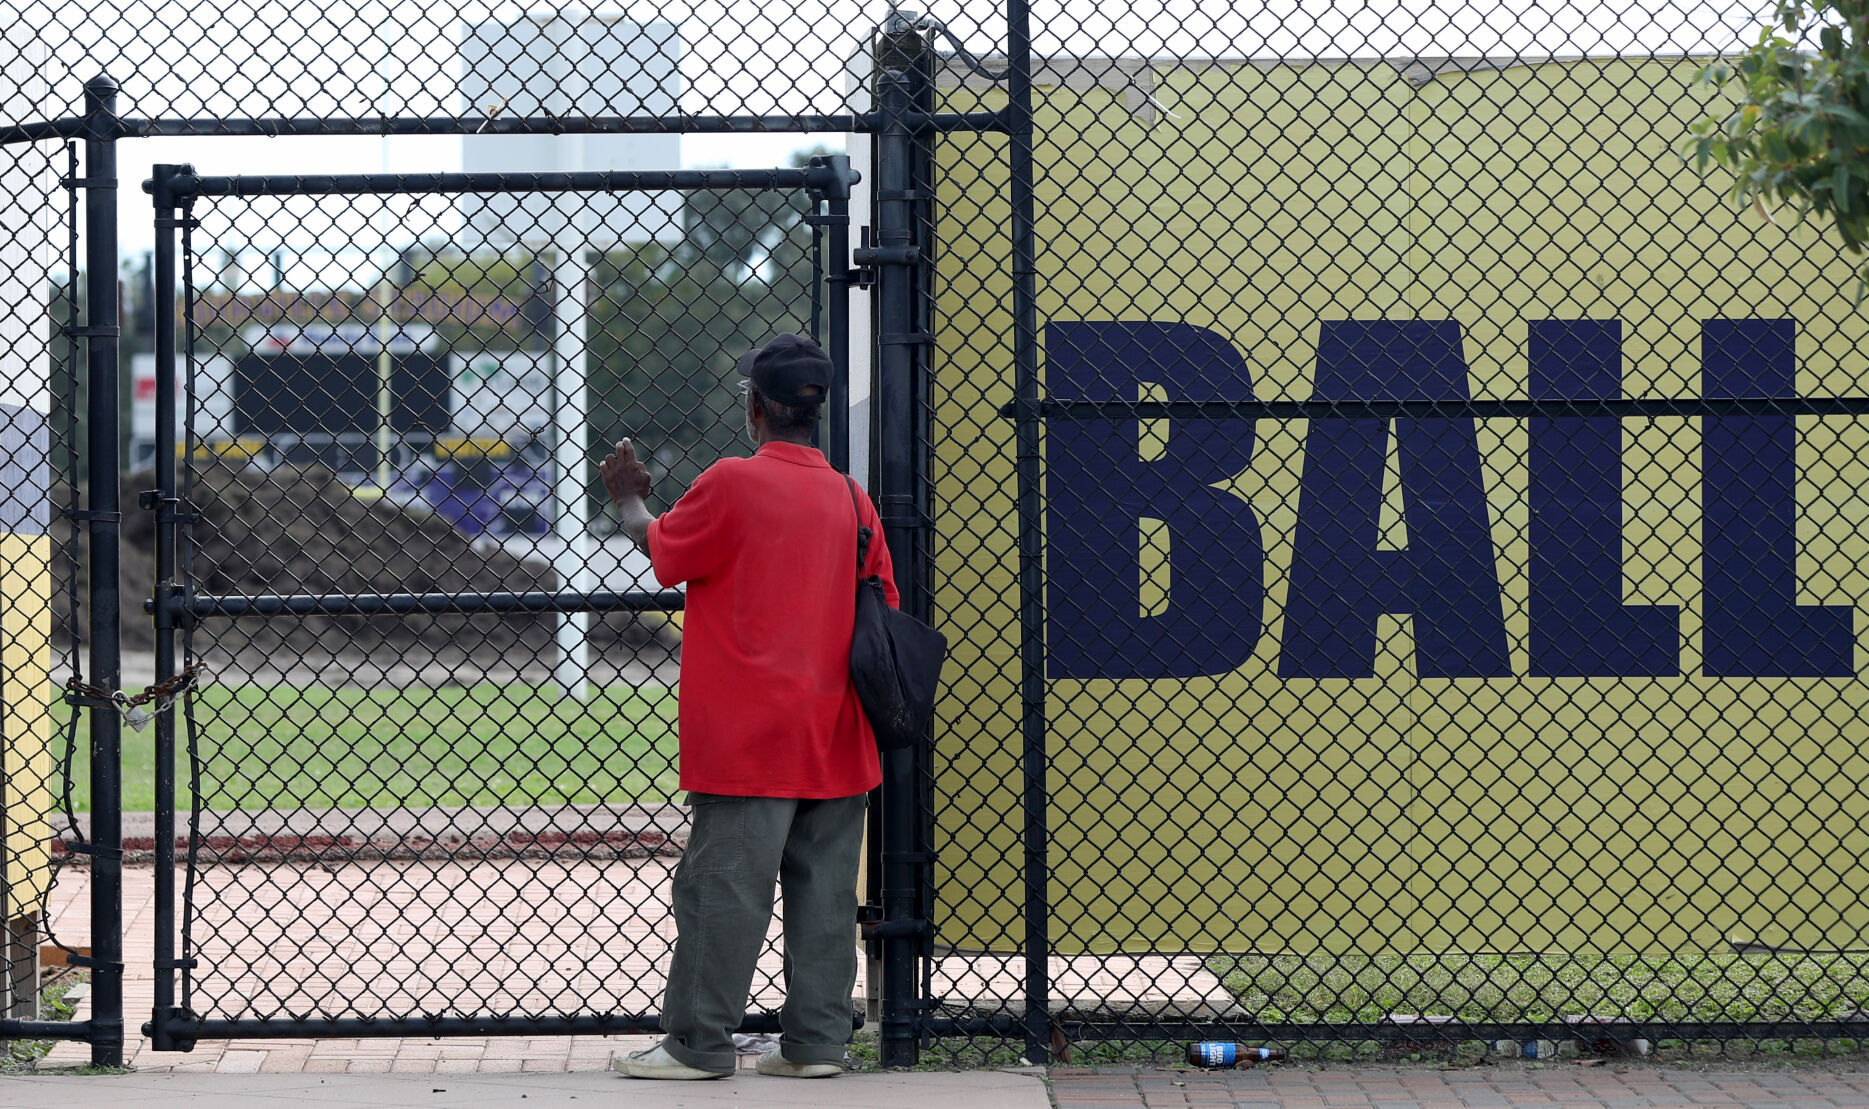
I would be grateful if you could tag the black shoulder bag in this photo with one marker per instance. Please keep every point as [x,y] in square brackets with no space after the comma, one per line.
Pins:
[895,659]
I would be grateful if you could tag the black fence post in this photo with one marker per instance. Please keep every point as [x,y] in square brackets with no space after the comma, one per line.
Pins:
[103,501]
[1028,467]
[165,503]
[901,57]
[837,304]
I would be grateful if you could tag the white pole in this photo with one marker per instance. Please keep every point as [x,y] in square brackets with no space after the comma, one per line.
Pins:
[572,460]
[385,402]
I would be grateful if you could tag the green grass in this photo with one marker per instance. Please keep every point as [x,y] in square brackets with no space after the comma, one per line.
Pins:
[1512,988]
[22,1056]
[284,747]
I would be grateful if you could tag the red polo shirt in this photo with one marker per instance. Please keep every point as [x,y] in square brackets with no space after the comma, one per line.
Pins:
[768,547]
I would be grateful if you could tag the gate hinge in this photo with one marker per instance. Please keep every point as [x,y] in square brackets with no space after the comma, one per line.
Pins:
[176,964]
[169,605]
[896,929]
[868,256]
[150,500]
[106,853]
[91,962]
[163,1030]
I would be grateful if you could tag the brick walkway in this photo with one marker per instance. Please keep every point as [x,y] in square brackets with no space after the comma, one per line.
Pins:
[308,943]
[515,935]
[1492,1087]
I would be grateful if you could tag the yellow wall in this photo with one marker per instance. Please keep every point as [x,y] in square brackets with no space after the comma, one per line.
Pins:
[1248,813]
[25,656]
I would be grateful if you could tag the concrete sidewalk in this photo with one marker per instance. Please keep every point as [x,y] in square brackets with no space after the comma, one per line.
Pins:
[1610,1086]
[586,1090]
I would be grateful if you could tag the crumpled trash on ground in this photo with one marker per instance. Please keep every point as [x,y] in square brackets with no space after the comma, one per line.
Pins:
[754,1043]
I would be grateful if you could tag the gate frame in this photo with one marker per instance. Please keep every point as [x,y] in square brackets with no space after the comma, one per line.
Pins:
[177,607]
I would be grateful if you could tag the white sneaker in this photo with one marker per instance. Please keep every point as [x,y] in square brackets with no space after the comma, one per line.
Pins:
[773,1063]
[658,1063]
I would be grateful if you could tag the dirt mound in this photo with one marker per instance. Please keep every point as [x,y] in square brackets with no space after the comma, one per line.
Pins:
[293,530]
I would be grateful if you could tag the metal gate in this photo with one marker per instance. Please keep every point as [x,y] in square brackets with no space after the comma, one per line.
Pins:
[475,788]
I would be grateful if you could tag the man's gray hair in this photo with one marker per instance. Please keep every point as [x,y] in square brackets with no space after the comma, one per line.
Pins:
[787,418]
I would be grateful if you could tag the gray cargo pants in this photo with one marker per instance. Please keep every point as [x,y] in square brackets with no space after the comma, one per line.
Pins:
[723,906]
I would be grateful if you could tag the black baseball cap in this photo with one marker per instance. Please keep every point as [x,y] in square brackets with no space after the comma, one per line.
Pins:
[787,368]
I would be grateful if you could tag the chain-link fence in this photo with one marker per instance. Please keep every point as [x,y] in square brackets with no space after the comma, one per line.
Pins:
[1445,626]
[37,454]
[1397,524]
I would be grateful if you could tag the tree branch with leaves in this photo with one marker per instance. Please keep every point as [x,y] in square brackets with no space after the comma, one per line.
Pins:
[1799,135]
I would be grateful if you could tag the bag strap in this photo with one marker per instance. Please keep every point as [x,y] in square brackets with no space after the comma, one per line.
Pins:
[863,531]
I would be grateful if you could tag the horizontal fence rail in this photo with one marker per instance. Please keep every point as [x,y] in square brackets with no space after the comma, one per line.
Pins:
[184,185]
[667,600]
[1630,408]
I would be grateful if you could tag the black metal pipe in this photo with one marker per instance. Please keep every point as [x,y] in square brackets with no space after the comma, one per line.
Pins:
[166,499]
[1028,466]
[44,1030]
[1635,407]
[276,127]
[922,384]
[1007,1027]
[362,184]
[815,220]
[590,1024]
[1455,1032]
[70,127]
[837,312]
[893,479]
[103,498]
[1192,1031]
[272,127]
[395,604]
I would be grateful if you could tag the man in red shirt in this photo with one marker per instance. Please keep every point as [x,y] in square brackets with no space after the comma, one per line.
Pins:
[776,752]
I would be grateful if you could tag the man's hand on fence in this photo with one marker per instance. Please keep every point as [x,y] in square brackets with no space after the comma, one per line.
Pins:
[627,482]
[623,475]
